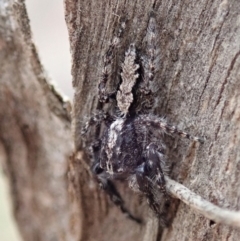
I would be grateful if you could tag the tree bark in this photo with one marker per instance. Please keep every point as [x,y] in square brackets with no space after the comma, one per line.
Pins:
[35,135]
[198,89]
[54,194]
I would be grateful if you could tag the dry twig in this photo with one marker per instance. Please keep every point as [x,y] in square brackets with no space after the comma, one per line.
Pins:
[207,209]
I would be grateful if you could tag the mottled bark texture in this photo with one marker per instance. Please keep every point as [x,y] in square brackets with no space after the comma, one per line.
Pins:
[198,81]
[35,135]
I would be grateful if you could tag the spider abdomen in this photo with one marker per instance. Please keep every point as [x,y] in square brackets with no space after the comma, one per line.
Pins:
[121,153]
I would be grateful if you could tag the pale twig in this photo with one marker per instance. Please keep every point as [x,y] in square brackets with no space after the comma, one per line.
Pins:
[207,209]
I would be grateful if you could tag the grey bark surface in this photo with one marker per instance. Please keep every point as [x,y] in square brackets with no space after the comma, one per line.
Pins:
[198,81]
[35,135]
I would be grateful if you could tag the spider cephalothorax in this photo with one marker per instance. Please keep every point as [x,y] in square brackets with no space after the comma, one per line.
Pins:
[130,145]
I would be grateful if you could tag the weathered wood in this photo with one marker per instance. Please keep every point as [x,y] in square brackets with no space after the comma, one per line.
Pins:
[35,135]
[198,88]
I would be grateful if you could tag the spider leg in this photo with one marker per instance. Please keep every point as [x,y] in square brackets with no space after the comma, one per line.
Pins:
[149,62]
[97,119]
[103,95]
[146,187]
[149,176]
[129,77]
[93,145]
[108,186]
[160,123]
[154,164]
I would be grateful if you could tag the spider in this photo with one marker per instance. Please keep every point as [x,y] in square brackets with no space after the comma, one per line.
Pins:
[131,145]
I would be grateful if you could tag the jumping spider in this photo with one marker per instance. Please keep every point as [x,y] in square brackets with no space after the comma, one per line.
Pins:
[131,146]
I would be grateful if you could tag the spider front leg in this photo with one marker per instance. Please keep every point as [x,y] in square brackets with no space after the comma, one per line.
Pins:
[149,62]
[103,95]
[108,186]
